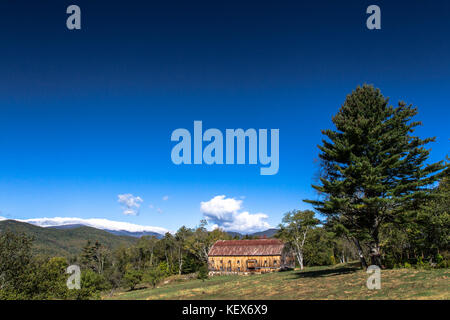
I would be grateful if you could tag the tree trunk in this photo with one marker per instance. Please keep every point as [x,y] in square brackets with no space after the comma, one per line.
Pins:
[360,253]
[151,258]
[180,262]
[167,259]
[375,253]
[299,256]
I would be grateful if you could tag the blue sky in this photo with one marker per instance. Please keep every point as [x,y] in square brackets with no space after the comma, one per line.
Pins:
[87,115]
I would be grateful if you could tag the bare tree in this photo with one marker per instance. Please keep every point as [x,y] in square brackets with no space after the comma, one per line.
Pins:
[294,229]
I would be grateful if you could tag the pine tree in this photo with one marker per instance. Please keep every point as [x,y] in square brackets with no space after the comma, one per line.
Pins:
[374,170]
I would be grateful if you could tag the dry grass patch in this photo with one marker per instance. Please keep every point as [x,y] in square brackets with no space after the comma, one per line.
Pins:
[338,282]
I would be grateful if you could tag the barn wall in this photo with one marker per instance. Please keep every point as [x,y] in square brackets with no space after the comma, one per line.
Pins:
[241,263]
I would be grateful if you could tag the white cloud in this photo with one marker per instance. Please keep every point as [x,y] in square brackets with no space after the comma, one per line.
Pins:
[151,206]
[159,210]
[226,213]
[94,222]
[130,204]
[165,198]
[221,208]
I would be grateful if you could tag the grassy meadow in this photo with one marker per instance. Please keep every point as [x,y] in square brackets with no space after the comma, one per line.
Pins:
[337,282]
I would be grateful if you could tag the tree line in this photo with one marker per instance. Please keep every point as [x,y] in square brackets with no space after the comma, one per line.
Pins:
[24,275]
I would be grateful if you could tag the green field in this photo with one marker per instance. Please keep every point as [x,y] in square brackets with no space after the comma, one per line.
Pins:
[338,282]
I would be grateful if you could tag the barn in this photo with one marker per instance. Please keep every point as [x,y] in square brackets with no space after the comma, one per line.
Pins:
[249,256]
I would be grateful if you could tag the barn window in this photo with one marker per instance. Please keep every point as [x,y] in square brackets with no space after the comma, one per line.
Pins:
[265,263]
[238,262]
[251,264]
[229,265]
[274,263]
[239,269]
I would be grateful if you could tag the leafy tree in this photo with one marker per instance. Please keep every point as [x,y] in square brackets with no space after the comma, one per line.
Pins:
[132,278]
[147,246]
[343,249]
[434,219]
[15,265]
[94,256]
[318,250]
[164,268]
[23,276]
[191,263]
[154,276]
[374,169]
[424,234]
[168,244]
[295,227]
[181,243]
[92,283]
[48,279]
[202,240]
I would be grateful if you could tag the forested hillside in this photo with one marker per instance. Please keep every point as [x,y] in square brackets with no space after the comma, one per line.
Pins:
[65,242]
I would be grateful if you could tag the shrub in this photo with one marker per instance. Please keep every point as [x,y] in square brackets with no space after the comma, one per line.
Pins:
[93,281]
[332,260]
[443,264]
[203,272]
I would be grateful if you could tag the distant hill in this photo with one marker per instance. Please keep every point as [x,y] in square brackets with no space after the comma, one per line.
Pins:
[67,226]
[269,233]
[65,241]
[135,234]
[234,234]
[116,232]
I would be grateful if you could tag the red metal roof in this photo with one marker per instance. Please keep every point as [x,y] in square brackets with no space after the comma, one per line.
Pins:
[259,247]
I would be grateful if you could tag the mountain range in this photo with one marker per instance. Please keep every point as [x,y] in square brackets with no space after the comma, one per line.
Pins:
[269,233]
[137,234]
[68,240]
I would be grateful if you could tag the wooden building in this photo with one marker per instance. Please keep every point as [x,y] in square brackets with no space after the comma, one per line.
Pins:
[249,256]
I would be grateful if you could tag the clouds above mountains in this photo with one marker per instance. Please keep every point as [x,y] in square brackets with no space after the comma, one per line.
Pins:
[226,213]
[104,224]
[220,212]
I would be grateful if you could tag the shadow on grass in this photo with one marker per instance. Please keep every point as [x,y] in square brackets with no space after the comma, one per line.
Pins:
[325,272]
[137,289]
